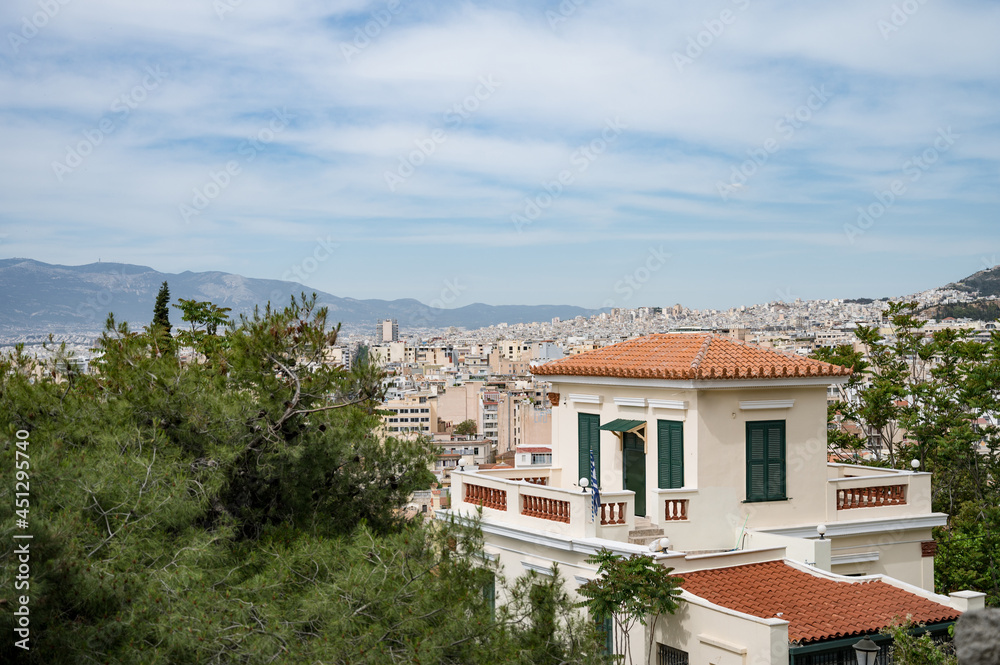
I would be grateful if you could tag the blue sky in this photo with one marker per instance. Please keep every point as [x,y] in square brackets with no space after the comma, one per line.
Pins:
[586,152]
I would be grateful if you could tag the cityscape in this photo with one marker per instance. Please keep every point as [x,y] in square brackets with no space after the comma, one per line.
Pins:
[550,332]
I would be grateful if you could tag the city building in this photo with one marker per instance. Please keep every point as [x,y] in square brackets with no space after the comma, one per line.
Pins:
[412,414]
[386,331]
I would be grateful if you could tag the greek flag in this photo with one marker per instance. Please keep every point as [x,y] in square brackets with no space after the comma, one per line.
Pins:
[595,494]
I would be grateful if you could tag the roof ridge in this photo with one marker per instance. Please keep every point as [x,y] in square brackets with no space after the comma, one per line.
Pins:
[700,356]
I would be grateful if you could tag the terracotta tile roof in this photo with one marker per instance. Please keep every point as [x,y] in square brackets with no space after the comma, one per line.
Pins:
[534,449]
[817,608]
[688,356]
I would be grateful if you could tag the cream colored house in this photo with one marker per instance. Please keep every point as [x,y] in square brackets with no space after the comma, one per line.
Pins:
[719,447]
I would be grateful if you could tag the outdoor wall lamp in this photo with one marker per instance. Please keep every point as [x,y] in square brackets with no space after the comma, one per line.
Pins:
[866,651]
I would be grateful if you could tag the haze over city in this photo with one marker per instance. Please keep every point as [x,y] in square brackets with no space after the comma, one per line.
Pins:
[585,153]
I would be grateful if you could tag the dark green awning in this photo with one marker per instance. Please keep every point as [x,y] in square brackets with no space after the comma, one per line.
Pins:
[622,425]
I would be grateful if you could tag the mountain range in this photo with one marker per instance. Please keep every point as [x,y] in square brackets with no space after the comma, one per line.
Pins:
[36,297]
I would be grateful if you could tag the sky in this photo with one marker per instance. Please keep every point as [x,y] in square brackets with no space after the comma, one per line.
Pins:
[583,152]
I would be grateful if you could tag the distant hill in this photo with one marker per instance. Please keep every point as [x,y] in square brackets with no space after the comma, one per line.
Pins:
[985,282]
[36,297]
[982,310]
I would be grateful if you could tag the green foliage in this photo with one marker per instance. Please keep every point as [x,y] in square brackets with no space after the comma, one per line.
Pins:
[930,397]
[161,313]
[204,318]
[238,510]
[910,649]
[466,427]
[840,441]
[629,590]
[542,620]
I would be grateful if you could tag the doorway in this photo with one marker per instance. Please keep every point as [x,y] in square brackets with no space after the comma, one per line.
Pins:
[634,457]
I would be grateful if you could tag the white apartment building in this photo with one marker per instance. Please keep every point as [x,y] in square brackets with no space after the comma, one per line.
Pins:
[714,452]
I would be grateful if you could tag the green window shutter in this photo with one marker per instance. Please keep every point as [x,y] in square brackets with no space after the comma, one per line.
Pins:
[776,460]
[589,438]
[670,454]
[756,462]
[765,460]
[606,627]
[490,595]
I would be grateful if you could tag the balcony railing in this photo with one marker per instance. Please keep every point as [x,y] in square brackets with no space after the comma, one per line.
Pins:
[871,497]
[613,513]
[538,480]
[489,497]
[541,475]
[545,508]
[675,510]
[855,487]
[674,505]
[527,502]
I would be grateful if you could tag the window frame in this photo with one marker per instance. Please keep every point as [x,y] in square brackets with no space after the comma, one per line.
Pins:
[769,458]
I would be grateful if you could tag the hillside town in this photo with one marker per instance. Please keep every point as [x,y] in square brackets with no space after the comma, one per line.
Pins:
[655,396]
[439,378]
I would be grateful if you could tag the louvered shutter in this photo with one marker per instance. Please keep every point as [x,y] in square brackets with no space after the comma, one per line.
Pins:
[670,454]
[775,460]
[756,462]
[588,438]
[766,460]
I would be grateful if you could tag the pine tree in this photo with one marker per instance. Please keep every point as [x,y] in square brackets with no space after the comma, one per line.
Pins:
[244,510]
[161,314]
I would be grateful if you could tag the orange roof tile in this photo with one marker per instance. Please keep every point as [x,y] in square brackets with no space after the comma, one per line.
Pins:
[817,608]
[688,356]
